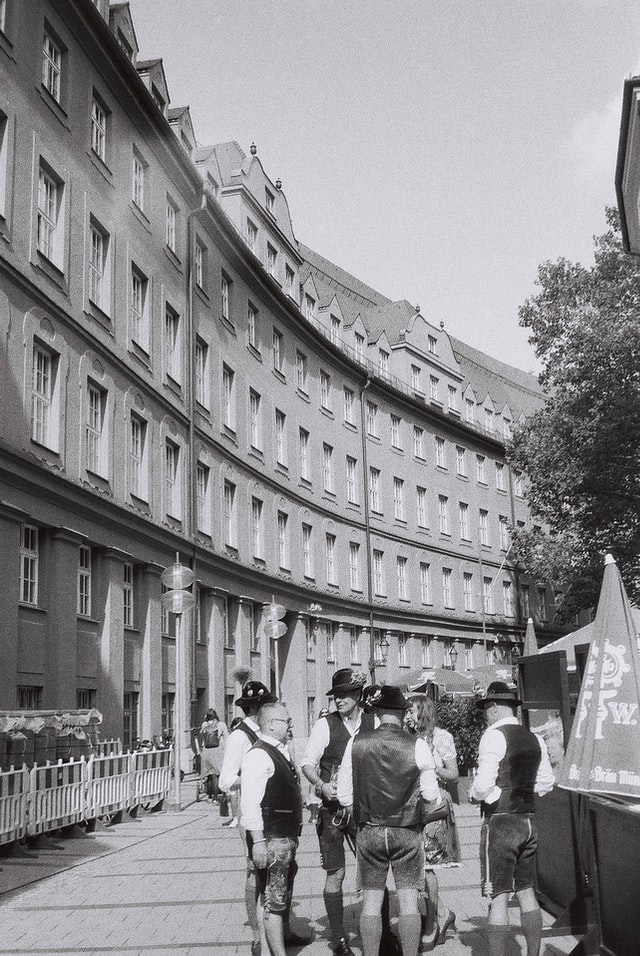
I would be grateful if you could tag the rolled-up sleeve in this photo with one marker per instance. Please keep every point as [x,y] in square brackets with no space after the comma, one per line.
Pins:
[491,750]
[345,777]
[317,743]
[545,778]
[257,767]
[237,745]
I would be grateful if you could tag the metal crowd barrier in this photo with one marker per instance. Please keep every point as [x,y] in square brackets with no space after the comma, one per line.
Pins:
[46,798]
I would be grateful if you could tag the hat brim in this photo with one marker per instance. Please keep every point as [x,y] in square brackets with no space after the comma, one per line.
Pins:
[485,701]
[331,693]
[265,699]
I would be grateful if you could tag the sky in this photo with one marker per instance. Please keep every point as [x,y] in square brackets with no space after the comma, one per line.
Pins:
[439,150]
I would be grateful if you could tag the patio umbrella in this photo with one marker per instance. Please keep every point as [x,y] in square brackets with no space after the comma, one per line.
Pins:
[603,753]
[530,640]
[584,635]
[447,681]
[482,676]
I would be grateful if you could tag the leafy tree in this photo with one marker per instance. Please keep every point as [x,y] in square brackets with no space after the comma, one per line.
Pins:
[581,451]
[460,716]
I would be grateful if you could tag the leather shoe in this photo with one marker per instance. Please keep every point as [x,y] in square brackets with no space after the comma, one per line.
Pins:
[256,948]
[295,939]
[343,948]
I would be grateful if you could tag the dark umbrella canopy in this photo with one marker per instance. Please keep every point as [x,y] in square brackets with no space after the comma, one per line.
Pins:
[603,753]
[448,681]
[483,676]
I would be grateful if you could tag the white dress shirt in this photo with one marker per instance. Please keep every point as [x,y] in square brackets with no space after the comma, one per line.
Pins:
[257,768]
[319,739]
[238,744]
[492,749]
[425,763]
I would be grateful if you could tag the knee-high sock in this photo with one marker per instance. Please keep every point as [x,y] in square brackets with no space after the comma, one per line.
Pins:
[250,903]
[370,933]
[498,937]
[335,914]
[409,926]
[532,929]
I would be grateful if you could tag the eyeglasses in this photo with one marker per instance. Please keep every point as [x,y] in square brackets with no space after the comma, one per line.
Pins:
[283,720]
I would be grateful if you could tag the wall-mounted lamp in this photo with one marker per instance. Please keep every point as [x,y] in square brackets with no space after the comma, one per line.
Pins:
[381,652]
[453,657]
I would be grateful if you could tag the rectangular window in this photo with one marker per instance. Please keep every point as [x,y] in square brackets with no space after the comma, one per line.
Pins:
[139,308]
[354,646]
[452,398]
[503,525]
[542,603]
[201,367]
[255,420]
[301,372]
[256,527]
[359,346]
[415,378]
[138,458]
[138,181]
[487,595]
[272,258]
[396,440]
[309,307]
[225,295]
[200,263]
[228,398]
[307,550]
[98,274]
[480,471]
[99,129]
[431,344]
[173,345]
[372,419]
[467,591]
[252,326]
[425,655]
[283,540]
[469,411]
[425,583]
[252,236]
[354,565]
[28,697]
[383,362]
[43,396]
[130,720]
[402,650]
[95,434]
[379,585]
[281,438]
[488,421]
[171,216]
[441,455]
[203,498]
[311,638]
[525,599]
[330,553]
[518,483]
[230,529]
[325,390]
[352,484]
[289,279]
[434,388]
[303,454]
[401,572]
[335,329]
[29,565]
[421,507]
[443,514]
[483,523]
[277,350]
[463,514]
[507,599]
[500,486]
[331,641]
[398,499]
[418,441]
[50,218]
[172,483]
[461,461]
[374,489]
[447,594]
[83,603]
[348,406]
[51,66]
[327,470]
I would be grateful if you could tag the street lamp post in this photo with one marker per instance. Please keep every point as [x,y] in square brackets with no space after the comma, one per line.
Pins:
[379,655]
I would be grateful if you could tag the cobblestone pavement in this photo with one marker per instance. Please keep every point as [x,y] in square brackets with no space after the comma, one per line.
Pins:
[171,884]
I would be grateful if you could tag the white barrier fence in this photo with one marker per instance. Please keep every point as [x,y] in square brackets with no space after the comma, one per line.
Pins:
[45,798]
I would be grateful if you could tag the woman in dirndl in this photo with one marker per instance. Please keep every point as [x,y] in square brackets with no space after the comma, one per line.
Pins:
[442,848]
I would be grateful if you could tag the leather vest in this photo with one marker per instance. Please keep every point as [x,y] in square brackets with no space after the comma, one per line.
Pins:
[517,772]
[339,737]
[386,780]
[249,731]
[282,800]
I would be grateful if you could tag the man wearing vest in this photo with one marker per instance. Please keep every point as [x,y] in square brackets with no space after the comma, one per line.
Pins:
[239,742]
[513,765]
[271,803]
[320,764]
[385,777]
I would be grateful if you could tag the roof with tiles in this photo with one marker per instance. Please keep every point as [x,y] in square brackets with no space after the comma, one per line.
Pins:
[505,384]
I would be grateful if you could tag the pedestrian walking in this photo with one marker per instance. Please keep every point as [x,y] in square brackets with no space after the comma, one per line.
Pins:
[211,739]
[271,804]
[513,765]
[241,739]
[386,775]
[441,844]
[325,749]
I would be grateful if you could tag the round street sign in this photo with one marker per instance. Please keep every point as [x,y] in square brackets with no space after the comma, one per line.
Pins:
[177,601]
[275,612]
[177,576]
[275,629]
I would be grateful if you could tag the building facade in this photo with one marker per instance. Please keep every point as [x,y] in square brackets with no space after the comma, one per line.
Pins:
[183,379]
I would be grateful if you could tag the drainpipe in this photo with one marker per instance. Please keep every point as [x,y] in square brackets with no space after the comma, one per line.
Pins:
[367,525]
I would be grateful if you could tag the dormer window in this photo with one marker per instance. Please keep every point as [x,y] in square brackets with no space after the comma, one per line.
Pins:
[269,200]
[432,342]
[272,256]
[252,235]
[309,307]
[158,98]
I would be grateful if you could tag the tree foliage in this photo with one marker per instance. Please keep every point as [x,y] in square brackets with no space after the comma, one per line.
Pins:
[466,722]
[581,451]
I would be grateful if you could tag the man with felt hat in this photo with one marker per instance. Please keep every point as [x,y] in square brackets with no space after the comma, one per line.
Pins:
[386,776]
[513,765]
[327,742]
